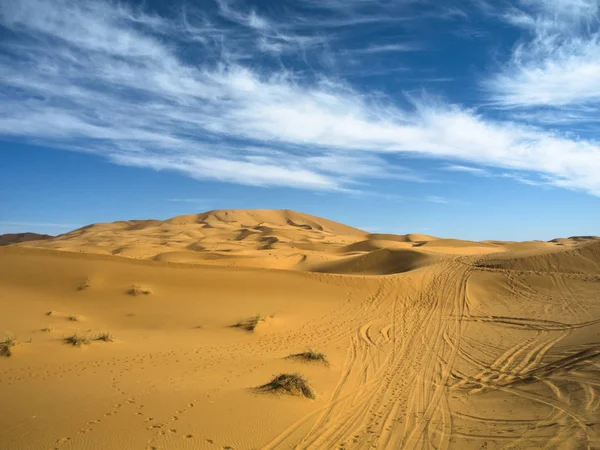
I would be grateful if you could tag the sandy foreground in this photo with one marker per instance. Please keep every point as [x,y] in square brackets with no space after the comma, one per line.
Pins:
[430,343]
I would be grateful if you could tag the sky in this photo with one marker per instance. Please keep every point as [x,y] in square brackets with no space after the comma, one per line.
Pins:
[473,119]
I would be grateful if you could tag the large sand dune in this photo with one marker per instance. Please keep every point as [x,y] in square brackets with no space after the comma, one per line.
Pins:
[429,343]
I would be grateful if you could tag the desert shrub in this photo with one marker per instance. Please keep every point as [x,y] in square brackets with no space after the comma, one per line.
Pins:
[310,356]
[139,290]
[251,323]
[103,336]
[86,284]
[290,384]
[6,345]
[76,340]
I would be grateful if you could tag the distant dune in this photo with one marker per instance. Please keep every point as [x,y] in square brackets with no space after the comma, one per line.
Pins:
[15,238]
[180,334]
[276,239]
[403,237]
[584,257]
[378,262]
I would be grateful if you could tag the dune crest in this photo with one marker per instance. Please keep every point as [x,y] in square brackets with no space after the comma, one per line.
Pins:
[281,239]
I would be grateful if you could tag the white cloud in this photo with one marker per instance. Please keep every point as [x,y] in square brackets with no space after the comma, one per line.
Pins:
[115,84]
[579,11]
[558,63]
[523,179]
[390,48]
[467,169]
[244,172]
[567,76]
[437,199]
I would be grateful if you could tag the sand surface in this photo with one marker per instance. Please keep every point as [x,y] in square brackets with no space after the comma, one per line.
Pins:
[430,343]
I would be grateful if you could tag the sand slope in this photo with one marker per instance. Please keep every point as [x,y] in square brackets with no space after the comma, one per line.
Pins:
[581,258]
[458,348]
[377,262]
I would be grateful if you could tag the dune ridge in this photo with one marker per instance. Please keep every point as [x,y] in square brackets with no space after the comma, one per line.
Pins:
[278,239]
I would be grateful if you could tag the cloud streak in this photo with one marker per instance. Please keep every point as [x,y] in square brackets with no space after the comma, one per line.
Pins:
[557,63]
[190,96]
[467,169]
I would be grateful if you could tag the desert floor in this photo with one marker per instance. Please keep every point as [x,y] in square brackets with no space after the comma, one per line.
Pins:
[430,343]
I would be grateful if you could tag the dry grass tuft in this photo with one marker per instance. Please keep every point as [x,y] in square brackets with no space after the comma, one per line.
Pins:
[103,336]
[76,340]
[310,356]
[86,284]
[6,345]
[251,323]
[290,384]
[46,330]
[74,318]
[139,290]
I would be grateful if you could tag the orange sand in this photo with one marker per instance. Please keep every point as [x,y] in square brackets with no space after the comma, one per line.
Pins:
[432,343]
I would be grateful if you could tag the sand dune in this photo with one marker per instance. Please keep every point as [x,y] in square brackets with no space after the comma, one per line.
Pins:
[413,237]
[377,262]
[574,239]
[260,238]
[454,243]
[179,334]
[581,258]
[15,238]
[217,235]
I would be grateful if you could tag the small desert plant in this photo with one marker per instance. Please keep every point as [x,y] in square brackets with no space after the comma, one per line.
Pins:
[291,384]
[251,323]
[76,340]
[6,345]
[74,318]
[139,290]
[103,336]
[86,284]
[311,356]
[46,330]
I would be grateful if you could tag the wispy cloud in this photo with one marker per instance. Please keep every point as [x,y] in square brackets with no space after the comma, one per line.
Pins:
[190,96]
[437,199]
[390,48]
[558,61]
[467,169]
[525,180]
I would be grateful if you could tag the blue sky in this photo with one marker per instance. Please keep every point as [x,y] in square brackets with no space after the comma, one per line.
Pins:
[474,119]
